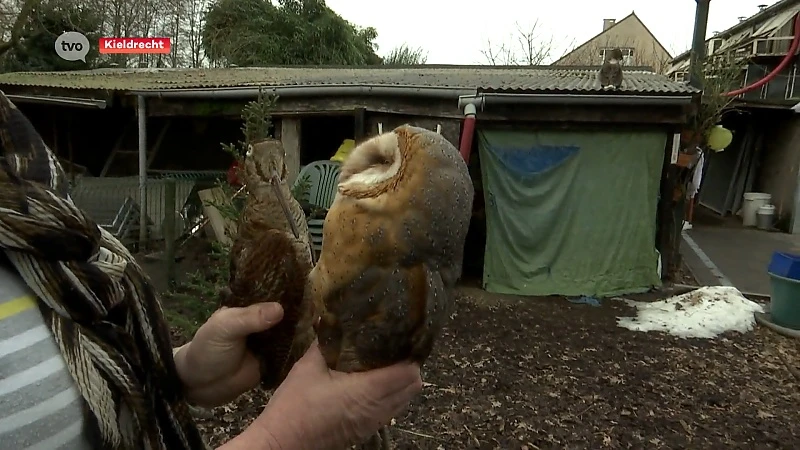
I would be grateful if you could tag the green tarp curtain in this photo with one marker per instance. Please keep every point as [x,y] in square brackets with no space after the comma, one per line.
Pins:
[570,213]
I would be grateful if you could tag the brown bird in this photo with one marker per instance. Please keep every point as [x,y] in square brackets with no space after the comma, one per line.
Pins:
[610,74]
[270,261]
[393,243]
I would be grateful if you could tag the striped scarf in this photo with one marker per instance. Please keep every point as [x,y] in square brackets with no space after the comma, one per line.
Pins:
[96,300]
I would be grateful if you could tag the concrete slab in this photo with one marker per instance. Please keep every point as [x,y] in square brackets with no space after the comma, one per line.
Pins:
[698,267]
[741,255]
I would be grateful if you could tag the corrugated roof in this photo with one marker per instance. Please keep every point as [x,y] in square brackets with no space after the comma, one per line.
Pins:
[539,79]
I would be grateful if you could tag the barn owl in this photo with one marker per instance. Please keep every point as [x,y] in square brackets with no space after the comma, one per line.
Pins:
[610,75]
[270,261]
[393,243]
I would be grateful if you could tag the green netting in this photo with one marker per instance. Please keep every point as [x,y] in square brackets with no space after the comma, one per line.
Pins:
[570,213]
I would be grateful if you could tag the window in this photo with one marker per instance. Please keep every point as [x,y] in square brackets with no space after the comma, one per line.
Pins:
[627,55]
[713,46]
[680,77]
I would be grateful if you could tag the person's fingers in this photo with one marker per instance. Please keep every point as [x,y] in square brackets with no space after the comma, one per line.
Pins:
[313,361]
[381,393]
[389,380]
[398,402]
[215,394]
[237,323]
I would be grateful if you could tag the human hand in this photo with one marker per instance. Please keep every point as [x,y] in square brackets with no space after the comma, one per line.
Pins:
[215,366]
[320,409]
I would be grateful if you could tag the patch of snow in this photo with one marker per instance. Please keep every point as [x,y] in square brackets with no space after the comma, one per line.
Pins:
[703,313]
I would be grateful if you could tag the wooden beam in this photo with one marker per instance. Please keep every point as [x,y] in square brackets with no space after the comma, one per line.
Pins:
[442,109]
[306,107]
[575,114]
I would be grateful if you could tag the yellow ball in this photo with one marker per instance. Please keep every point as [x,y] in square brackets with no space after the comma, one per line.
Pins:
[719,138]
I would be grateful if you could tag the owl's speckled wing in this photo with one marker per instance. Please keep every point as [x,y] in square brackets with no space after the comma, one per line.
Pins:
[400,321]
[393,244]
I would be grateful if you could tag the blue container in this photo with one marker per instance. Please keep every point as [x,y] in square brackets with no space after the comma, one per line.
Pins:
[785,265]
[784,304]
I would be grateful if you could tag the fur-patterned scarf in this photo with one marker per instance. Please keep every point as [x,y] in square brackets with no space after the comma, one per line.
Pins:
[97,301]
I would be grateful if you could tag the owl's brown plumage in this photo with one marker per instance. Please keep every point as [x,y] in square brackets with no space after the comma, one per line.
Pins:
[270,264]
[393,243]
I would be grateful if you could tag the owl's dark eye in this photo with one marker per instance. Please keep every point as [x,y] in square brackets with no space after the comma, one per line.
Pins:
[377,159]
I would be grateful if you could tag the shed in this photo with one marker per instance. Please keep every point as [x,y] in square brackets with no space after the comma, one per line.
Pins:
[570,175]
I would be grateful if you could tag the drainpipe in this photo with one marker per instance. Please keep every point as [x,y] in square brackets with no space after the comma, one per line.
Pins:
[468,131]
[142,119]
[333,90]
[480,100]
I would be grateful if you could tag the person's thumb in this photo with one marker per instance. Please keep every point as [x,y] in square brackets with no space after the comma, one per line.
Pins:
[237,323]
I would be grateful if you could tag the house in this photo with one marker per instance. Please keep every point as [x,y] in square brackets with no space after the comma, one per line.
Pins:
[638,44]
[761,40]
[765,153]
[573,183]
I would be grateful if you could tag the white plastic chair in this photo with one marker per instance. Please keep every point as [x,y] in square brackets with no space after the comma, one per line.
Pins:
[323,177]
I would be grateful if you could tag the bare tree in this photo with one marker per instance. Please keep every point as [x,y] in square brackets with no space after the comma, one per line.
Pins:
[193,29]
[14,17]
[498,55]
[526,46]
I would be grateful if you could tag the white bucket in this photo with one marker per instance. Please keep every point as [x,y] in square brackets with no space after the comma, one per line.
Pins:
[753,201]
[765,217]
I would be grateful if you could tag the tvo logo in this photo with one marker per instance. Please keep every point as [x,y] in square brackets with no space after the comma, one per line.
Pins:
[72,46]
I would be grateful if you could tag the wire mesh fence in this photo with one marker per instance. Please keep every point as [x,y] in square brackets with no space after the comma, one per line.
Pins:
[167,210]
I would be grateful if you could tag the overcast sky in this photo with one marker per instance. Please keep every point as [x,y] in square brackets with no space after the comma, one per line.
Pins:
[454,32]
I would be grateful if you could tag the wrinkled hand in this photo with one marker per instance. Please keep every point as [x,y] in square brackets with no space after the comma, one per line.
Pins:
[215,366]
[320,409]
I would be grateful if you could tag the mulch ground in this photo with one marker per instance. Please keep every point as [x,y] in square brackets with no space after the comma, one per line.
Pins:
[512,373]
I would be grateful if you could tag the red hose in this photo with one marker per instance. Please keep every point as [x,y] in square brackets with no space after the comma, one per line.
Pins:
[786,60]
[466,137]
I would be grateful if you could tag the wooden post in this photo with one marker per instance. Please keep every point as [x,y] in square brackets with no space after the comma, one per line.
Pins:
[70,153]
[142,120]
[359,124]
[169,229]
[667,231]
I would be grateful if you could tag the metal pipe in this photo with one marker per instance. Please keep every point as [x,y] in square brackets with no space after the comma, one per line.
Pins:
[65,101]
[698,52]
[142,118]
[477,101]
[467,134]
[574,99]
[310,91]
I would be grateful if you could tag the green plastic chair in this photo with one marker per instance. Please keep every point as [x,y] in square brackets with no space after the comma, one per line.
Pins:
[323,177]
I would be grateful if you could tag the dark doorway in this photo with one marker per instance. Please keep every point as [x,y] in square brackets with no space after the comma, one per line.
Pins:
[321,136]
[475,246]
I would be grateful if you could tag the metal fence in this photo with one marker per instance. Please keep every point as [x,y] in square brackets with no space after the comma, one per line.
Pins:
[170,201]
